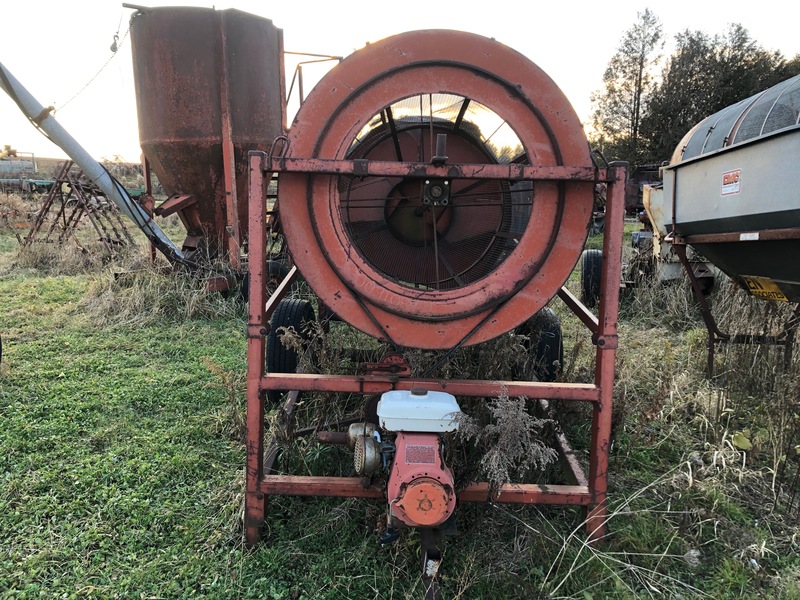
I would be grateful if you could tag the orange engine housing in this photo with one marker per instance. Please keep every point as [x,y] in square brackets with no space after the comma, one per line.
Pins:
[421,490]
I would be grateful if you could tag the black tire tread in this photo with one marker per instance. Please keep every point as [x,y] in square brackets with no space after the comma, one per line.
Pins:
[545,346]
[591,270]
[290,312]
[549,347]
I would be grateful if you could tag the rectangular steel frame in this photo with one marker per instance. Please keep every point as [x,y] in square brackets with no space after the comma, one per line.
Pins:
[589,492]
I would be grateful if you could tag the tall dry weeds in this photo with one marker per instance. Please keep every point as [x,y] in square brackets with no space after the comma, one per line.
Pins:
[761,382]
[152,292]
[512,441]
[16,213]
[500,440]
[750,405]
[663,338]
[52,258]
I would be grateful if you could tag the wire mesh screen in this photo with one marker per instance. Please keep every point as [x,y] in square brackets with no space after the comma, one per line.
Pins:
[435,234]
[775,109]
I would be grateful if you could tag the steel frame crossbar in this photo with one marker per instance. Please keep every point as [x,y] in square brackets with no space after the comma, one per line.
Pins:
[588,491]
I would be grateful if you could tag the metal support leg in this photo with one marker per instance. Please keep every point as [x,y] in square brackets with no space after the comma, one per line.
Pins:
[606,340]
[255,508]
[431,543]
[714,334]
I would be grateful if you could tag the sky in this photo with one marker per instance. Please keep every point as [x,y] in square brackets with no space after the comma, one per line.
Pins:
[54,48]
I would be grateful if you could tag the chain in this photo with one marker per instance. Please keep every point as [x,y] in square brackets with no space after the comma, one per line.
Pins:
[115,46]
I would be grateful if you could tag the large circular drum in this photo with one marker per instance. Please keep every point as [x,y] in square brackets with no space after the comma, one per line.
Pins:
[425,262]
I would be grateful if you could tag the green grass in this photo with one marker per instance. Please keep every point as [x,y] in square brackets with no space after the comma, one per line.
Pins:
[121,473]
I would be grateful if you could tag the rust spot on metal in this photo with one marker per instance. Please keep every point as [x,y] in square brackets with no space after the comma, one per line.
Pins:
[182,79]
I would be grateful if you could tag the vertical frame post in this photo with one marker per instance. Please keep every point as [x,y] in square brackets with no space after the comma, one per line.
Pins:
[255,510]
[232,233]
[606,352]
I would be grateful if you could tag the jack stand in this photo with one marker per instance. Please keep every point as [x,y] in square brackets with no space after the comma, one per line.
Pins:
[430,550]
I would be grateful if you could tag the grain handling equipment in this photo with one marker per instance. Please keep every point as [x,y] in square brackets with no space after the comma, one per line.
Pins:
[410,223]
[43,119]
[435,191]
[202,107]
[730,193]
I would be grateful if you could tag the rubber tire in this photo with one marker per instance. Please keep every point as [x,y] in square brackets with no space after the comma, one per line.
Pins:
[545,345]
[277,270]
[706,284]
[548,345]
[591,269]
[290,312]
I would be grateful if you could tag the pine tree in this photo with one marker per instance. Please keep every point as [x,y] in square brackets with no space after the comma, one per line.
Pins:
[628,80]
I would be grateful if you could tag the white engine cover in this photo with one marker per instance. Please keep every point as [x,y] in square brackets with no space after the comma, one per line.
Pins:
[418,411]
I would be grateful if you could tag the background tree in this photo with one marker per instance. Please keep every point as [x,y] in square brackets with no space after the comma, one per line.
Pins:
[744,68]
[703,76]
[684,95]
[627,82]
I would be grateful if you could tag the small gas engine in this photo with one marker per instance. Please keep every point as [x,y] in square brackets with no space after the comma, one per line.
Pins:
[420,488]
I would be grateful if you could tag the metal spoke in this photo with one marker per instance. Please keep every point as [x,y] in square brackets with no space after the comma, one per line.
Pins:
[420,147]
[461,113]
[430,124]
[393,130]
[451,270]
[499,127]
[435,247]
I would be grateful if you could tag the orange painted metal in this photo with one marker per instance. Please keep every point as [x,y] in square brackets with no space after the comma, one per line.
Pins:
[343,487]
[436,319]
[257,319]
[425,502]
[231,199]
[372,168]
[353,487]
[603,330]
[528,494]
[584,314]
[605,341]
[420,489]
[431,62]
[209,88]
[376,384]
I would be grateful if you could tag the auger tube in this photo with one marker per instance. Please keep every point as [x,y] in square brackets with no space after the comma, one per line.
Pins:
[41,118]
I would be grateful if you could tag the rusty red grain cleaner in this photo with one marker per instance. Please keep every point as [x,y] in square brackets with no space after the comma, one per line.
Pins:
[435,191]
